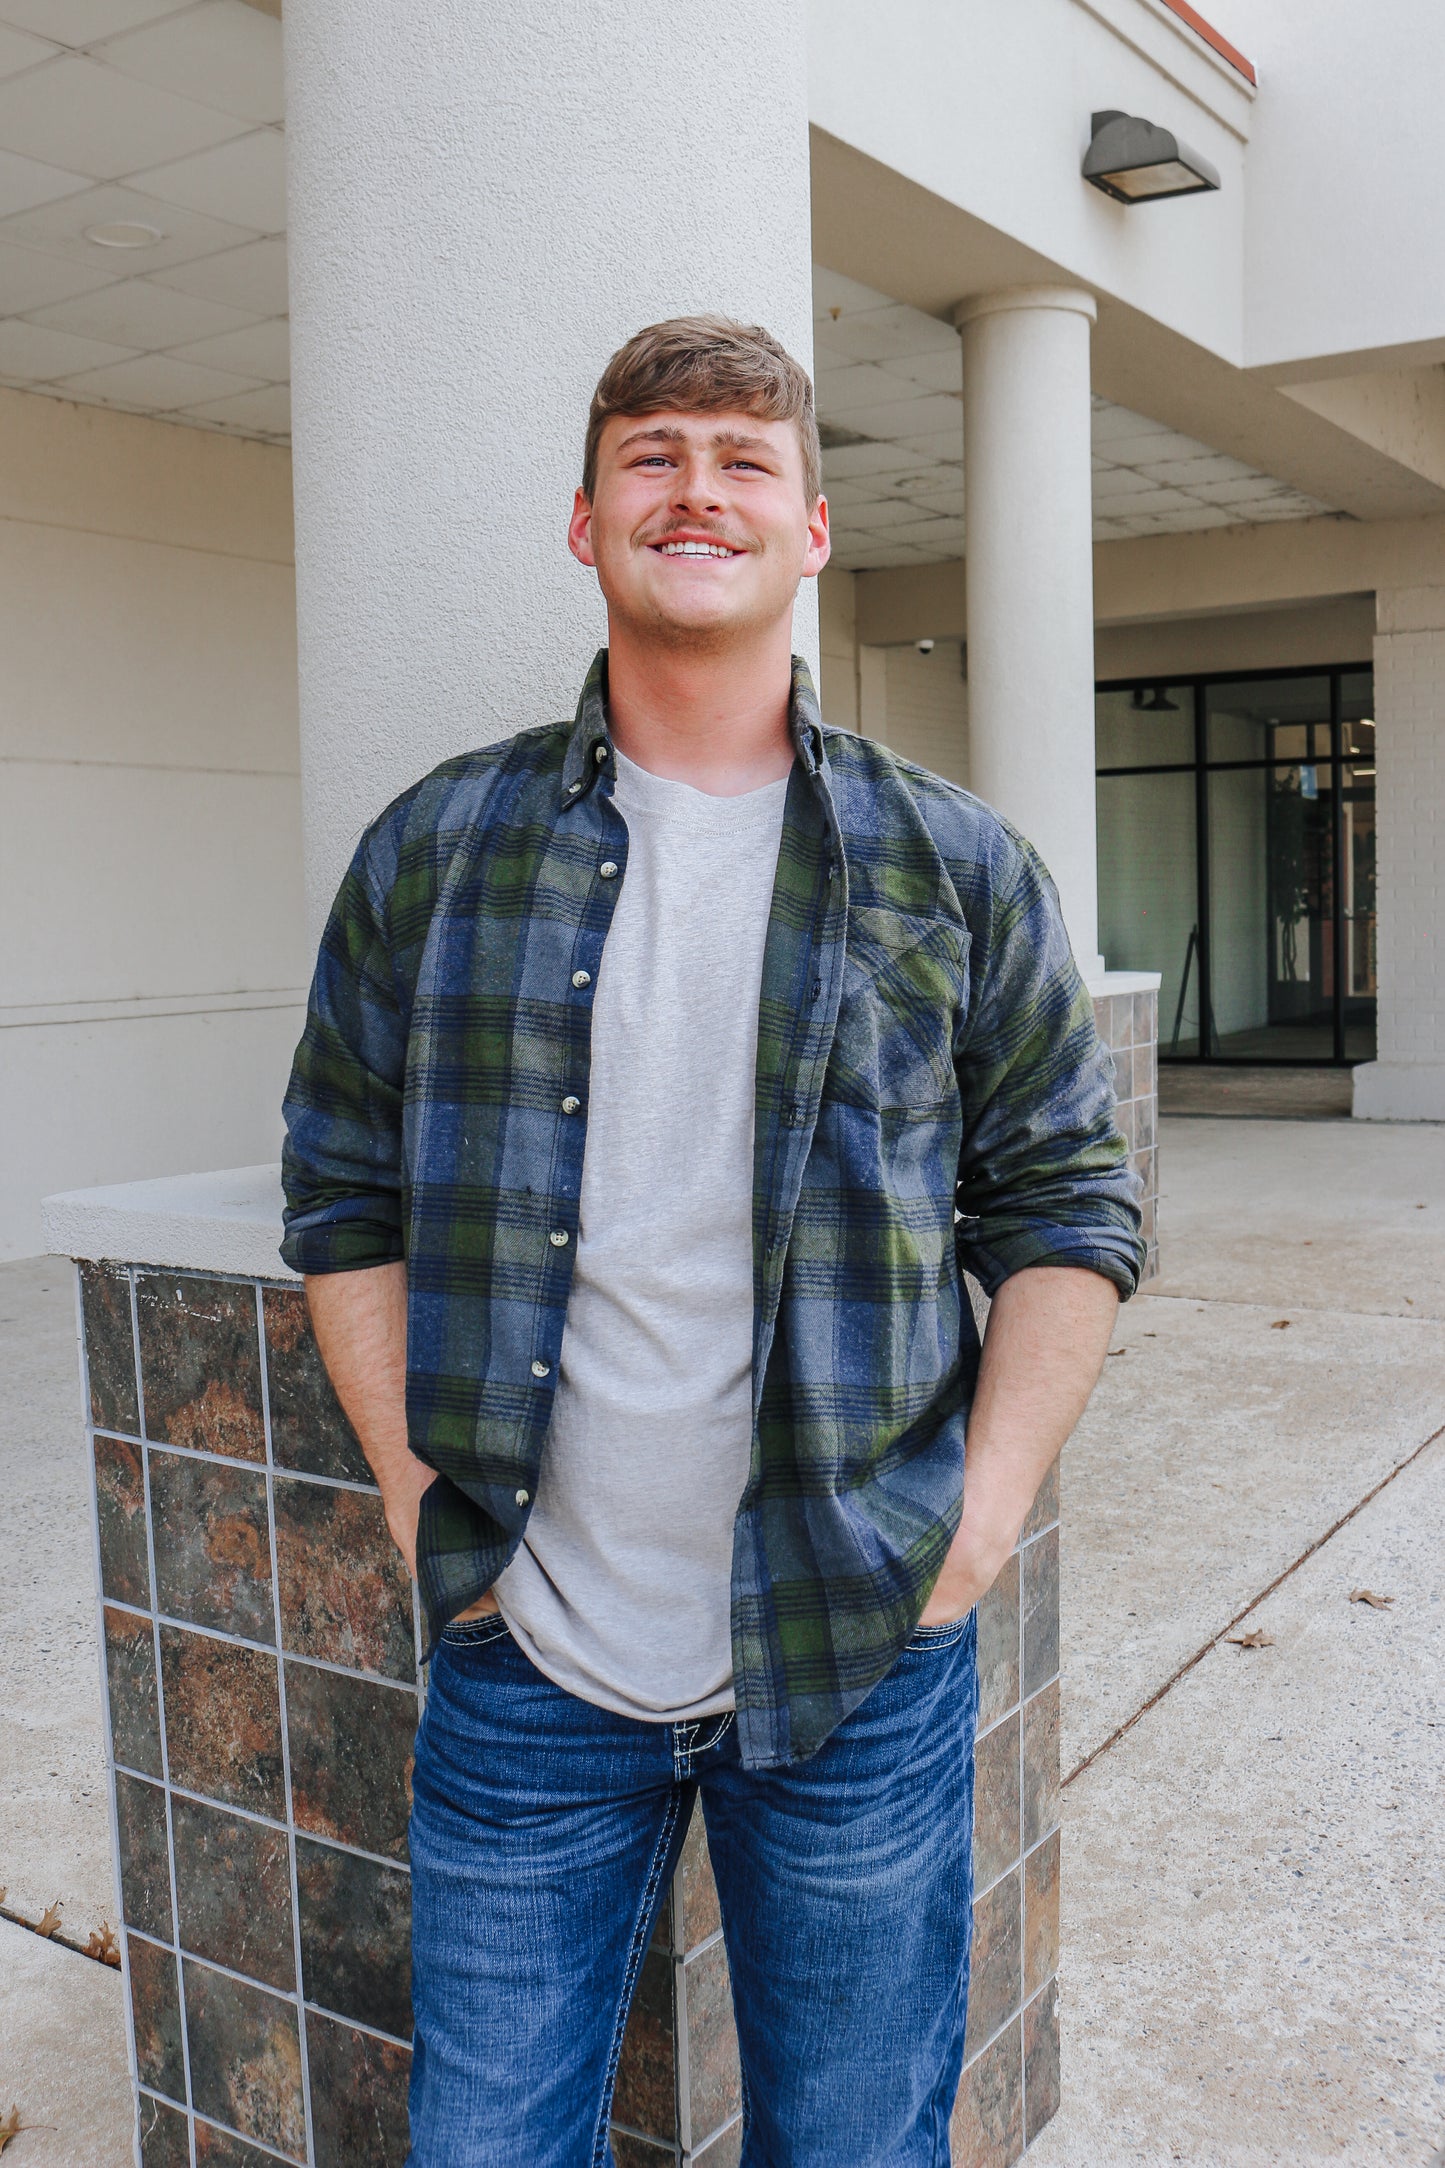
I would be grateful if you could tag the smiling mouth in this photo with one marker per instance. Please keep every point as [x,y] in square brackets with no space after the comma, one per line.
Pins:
[695,549]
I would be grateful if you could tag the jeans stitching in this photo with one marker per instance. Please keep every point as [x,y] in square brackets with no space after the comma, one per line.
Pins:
[601,2150]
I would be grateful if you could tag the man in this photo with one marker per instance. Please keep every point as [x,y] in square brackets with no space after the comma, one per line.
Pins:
[647,1060]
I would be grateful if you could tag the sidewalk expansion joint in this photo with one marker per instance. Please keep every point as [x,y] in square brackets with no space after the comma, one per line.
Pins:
[1253,1604]
[68,1942]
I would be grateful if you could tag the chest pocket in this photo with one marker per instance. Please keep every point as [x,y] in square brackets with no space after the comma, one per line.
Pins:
[904,985]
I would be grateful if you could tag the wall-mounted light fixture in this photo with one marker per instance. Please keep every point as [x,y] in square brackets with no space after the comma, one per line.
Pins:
[1135,162]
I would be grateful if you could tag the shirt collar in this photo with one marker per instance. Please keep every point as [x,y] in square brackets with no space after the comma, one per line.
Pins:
[589,747]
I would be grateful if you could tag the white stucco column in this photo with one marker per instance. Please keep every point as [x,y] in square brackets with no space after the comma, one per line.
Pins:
[483,203]
[1407,1081]
[1030,608]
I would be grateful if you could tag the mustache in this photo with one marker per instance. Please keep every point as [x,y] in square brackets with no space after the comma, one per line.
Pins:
[694,530]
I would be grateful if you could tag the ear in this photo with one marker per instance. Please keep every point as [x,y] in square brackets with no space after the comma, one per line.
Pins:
[579,531]
[820,544]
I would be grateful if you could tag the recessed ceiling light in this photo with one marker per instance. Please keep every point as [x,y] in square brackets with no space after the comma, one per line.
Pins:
[124,233]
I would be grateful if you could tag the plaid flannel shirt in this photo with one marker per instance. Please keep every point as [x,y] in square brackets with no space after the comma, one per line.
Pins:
[924,1041]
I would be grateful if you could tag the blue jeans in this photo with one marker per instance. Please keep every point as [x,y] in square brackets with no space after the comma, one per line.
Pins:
[543,1832]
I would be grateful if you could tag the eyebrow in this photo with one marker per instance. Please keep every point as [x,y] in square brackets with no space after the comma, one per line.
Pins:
[732,439]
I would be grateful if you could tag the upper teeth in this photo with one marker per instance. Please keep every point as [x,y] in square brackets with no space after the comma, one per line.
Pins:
[695,549]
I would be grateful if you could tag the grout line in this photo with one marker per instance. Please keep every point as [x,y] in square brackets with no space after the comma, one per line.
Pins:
[285,1727]
[267,1821]
[239,1460]
[1253,1604]
[150,1528]
[262,1648]
[1303,1309]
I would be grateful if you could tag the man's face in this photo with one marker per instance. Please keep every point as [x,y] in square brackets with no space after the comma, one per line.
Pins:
[699,529]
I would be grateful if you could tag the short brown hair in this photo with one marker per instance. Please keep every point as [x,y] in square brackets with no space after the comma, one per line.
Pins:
[706,365]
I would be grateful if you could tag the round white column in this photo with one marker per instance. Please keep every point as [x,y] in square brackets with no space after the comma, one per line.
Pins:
[483,204]
[1030,596]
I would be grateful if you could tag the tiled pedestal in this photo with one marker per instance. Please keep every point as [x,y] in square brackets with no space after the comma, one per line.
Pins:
[260,1653]
[1126,1010]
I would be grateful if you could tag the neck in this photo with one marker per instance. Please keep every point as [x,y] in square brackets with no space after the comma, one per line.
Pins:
[716,720]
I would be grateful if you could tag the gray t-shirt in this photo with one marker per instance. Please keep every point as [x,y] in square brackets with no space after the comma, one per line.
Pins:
[621,1590]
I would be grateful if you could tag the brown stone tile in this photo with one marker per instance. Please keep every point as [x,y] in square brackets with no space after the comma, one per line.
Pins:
[987,2130]
[1045,1509]
[1041,2061]
[212,1545]
[345,1594]
[130,1672]
[109,1348]
[1146,1018]
[1126,1084]
[714,2072]
[645,2096]
[1146,1116]
[998,1647]
[1041,1914]
[145,1871]
[309,1431]
[164,2139]
[155,2010]
[121,1511]
[223,1721]
[223,2149]
[996,1802]
[201,1363]
[1124,1122]
[351,1747]
[630,2151]
[1041,1764]
[245,2059]
[996,1967]
[1041,1612]
[1104,1017]
[698,1912]
[233,1892]
[358,2096]
[355,1936]
[724,2151]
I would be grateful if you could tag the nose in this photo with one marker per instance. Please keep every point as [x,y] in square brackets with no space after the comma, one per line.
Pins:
[695,488]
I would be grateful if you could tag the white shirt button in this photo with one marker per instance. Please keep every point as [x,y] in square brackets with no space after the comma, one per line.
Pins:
[582,978]
[558,1238]
[608,869]
[599,754]
[541,1369]
[570,1105]
[572,789]
[522,1497]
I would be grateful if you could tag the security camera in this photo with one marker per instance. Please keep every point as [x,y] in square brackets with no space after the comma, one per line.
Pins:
[924,647]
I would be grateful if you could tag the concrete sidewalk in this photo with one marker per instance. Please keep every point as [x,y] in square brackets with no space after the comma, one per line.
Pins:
[1253,1947]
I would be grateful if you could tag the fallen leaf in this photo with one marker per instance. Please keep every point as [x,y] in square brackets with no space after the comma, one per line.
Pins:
[1118,1351]
[10,2127]
[1281,1324]
[1411,1300]
[103,1945]
[1367,1595]
[1151,1336]
[1259,1639]
[49,1919]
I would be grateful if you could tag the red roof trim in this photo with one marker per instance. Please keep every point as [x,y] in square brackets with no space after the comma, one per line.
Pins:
[1211,36]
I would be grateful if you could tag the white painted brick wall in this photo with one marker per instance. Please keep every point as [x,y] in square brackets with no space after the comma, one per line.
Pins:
[1410,798]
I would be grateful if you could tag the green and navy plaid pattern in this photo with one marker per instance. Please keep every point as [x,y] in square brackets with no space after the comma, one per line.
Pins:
[926,1049]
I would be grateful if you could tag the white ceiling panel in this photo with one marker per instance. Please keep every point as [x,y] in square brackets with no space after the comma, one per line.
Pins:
[28,351]
[253,277]
[19,50]
[79,22]
[145,317]
[29,280]
[61,228]
[156,381]
[908,419]
[859,385]
[76,113]
[267,412]
[220,54]
[262,350]
[25,182]
[244,180]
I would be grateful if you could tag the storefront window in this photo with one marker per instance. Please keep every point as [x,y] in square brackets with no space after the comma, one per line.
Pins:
[1237,859]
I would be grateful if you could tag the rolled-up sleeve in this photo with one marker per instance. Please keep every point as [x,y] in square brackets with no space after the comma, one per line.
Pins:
[341,1163]
[1044,1175]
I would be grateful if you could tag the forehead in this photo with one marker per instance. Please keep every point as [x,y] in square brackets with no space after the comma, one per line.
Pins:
[730,430]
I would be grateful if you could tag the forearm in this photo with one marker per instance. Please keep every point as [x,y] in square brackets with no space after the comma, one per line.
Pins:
[1048,1332]
[360,1322]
